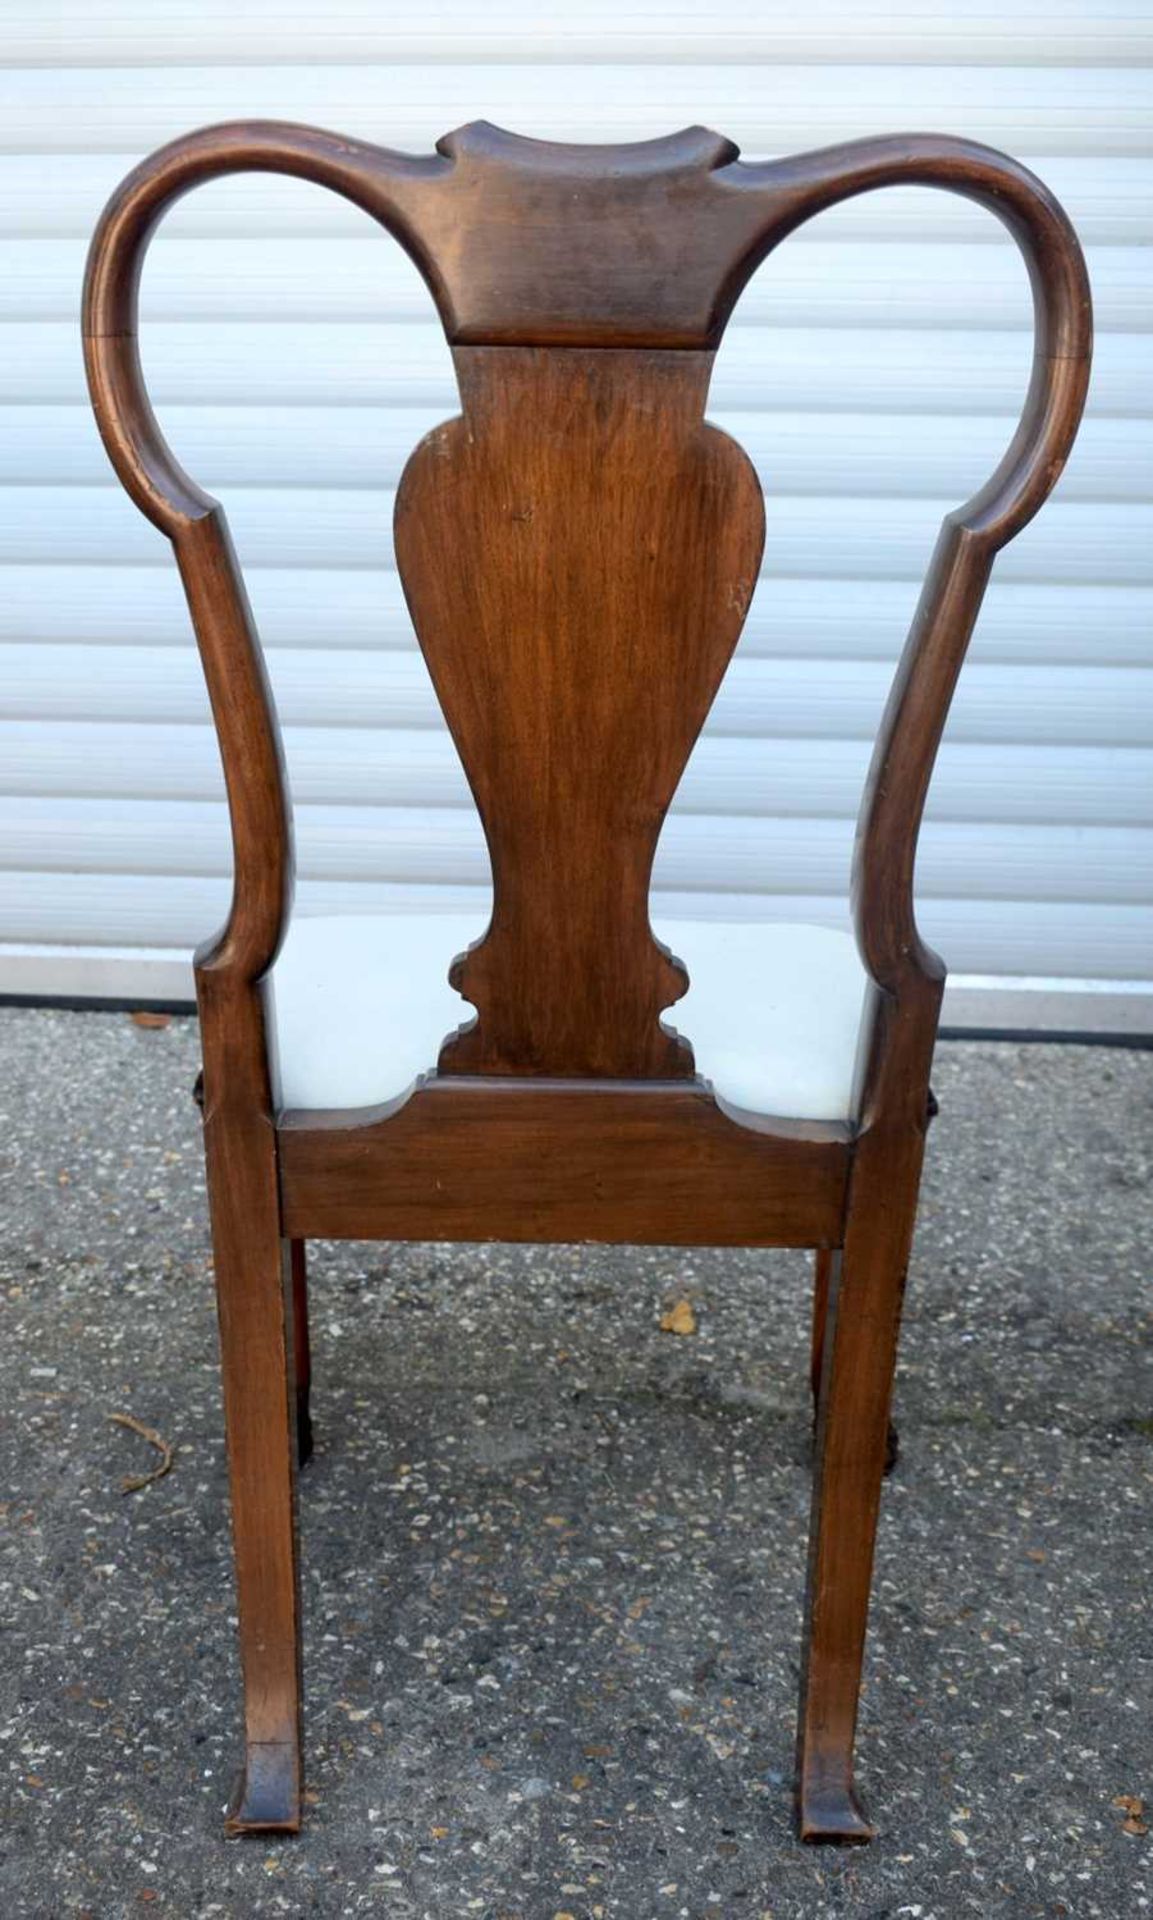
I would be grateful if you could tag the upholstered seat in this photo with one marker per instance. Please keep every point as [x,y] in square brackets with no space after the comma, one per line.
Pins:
[362,1003]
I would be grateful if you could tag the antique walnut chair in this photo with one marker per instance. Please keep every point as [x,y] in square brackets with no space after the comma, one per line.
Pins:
[578,552]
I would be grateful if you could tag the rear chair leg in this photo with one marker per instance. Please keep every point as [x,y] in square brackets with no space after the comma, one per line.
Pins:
[302,1353]
[253,1288]
[859,1334]
[846,1493]
[823,1272]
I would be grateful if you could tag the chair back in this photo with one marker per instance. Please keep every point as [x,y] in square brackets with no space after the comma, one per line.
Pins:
[579,547]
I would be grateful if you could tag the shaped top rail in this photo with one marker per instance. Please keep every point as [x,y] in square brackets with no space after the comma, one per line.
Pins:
[536,243]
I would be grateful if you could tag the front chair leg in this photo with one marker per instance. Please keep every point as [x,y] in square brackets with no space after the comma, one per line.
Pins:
[302,1353]
[860,1325]
[823,1268]
[253,1288]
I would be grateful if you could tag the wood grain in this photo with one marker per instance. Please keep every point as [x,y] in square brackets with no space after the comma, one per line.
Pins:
[254,1304]
[594,539]
[631,1162]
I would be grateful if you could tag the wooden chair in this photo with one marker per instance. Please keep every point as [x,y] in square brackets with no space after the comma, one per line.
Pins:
[578,552]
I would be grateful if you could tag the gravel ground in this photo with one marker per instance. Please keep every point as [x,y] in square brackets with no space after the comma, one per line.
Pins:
[553,1554]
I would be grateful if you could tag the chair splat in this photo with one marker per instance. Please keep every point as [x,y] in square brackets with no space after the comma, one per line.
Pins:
[579,550]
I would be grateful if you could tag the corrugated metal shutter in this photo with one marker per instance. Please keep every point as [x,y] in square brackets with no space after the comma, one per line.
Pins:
[874,371]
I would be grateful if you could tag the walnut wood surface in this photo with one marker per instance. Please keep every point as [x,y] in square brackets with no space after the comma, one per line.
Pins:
[594,540]
[255,1311]
[579,551]
[639,1162]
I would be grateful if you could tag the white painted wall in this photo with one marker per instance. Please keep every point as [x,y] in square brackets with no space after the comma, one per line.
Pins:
[874,371]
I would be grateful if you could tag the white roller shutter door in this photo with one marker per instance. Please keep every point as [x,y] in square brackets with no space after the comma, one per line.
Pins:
[874,371]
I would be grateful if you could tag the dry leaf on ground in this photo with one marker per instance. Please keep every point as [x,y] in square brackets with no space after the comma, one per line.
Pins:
[679,1318]
[1133,1807]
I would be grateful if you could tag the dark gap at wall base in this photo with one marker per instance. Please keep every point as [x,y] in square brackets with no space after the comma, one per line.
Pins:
[1051,1036]
[1023,1036]
[93,1003]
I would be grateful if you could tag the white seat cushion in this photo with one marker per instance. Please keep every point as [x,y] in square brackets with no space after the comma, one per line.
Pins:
[360,1006]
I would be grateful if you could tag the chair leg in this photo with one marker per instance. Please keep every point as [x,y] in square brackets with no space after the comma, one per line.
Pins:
[860,1327]
[821,1277]
[302,1353]
[253,1285]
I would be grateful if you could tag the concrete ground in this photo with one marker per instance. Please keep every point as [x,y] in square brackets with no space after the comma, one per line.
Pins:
[553,1555]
